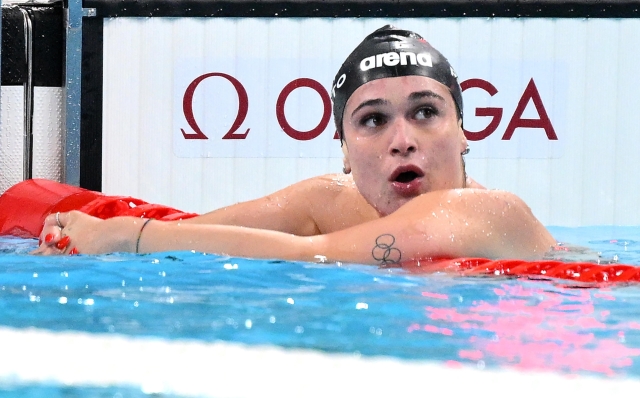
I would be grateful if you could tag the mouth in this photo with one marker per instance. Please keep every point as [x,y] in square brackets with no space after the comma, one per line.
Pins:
[406,174]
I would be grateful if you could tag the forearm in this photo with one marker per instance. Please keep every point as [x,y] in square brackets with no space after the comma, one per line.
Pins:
[225,240]
[263,213]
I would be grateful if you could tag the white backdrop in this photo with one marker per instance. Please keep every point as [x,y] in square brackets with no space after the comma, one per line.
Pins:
[47,134]
[576,81]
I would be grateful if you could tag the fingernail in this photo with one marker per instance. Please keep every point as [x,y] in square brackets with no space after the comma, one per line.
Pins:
[48,238]
[73,251]
[62,243]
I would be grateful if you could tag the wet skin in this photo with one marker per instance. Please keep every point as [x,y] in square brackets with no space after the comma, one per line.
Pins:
[402,139]
[403,144]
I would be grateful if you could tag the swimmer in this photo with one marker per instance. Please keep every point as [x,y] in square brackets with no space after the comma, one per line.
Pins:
[404,194]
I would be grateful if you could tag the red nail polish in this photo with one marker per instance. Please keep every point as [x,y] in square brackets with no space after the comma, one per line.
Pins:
[62,243]
[73,251]
[48,238]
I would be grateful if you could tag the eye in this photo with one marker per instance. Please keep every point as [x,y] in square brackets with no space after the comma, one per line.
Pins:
[373,120]
[425,112]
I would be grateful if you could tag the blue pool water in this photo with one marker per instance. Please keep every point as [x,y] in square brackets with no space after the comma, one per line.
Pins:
[489,323]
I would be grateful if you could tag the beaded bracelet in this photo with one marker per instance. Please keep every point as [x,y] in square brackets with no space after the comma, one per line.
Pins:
[140,234]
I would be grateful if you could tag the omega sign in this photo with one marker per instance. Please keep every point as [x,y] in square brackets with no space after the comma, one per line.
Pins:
[542,123]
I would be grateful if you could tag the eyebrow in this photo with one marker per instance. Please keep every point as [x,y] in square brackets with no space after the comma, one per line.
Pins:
[415,96]
[425,94]
[371,102]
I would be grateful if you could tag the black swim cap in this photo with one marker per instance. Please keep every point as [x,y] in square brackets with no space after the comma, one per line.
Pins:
[391,52]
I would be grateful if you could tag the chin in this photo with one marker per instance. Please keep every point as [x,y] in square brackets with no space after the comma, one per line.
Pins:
[389,208]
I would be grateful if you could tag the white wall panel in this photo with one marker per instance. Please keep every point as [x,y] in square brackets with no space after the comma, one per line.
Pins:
[11,136]
[585,71]
[47,135]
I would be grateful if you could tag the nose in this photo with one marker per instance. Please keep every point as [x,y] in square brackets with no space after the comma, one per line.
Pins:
[404,140]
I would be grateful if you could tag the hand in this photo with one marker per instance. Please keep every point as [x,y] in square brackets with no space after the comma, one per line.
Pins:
[75,232]
[50,236]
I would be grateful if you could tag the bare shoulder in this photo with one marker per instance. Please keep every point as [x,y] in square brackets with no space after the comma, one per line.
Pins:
[326,187]
[334,202]
[490,206]
[333,183]
[487,223]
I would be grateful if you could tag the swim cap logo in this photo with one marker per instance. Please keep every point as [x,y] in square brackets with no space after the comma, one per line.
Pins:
[338,84]
[394,58]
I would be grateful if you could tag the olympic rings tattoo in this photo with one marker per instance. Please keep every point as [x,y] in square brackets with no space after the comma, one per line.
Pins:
[385,252]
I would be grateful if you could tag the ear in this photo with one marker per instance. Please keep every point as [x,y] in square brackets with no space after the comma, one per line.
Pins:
[345,160]
[463,139]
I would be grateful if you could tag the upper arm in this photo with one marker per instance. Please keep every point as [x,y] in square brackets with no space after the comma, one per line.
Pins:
[288,210]
[444,224]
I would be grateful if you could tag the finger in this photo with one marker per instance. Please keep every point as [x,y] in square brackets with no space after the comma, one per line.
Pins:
[50,227]
[64,218]
[74,251]
[50,220]
[62,243]
[46,251]
[57,219]
[51,235]
[41,246]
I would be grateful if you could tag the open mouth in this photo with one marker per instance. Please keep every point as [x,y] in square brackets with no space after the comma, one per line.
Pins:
[406,176]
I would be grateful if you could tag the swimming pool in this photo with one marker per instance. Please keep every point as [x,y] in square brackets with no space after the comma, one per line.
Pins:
[190,324]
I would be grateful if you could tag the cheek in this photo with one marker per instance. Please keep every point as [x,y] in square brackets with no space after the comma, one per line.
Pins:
[442,149]
[361,157]
[444,155]
[365,167]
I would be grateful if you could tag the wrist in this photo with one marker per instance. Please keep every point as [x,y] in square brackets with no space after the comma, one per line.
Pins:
[145,223]
[124,233]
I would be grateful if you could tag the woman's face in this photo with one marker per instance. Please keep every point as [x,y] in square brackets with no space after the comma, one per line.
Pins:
[402,138]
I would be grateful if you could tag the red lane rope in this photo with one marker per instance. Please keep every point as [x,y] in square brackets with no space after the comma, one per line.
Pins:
[576,271]
[24,206]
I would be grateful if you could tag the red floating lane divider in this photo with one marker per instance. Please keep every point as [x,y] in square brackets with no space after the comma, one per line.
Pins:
[24,206]
[575,271]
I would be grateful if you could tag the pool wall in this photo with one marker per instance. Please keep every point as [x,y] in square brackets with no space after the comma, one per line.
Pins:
[201,104]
